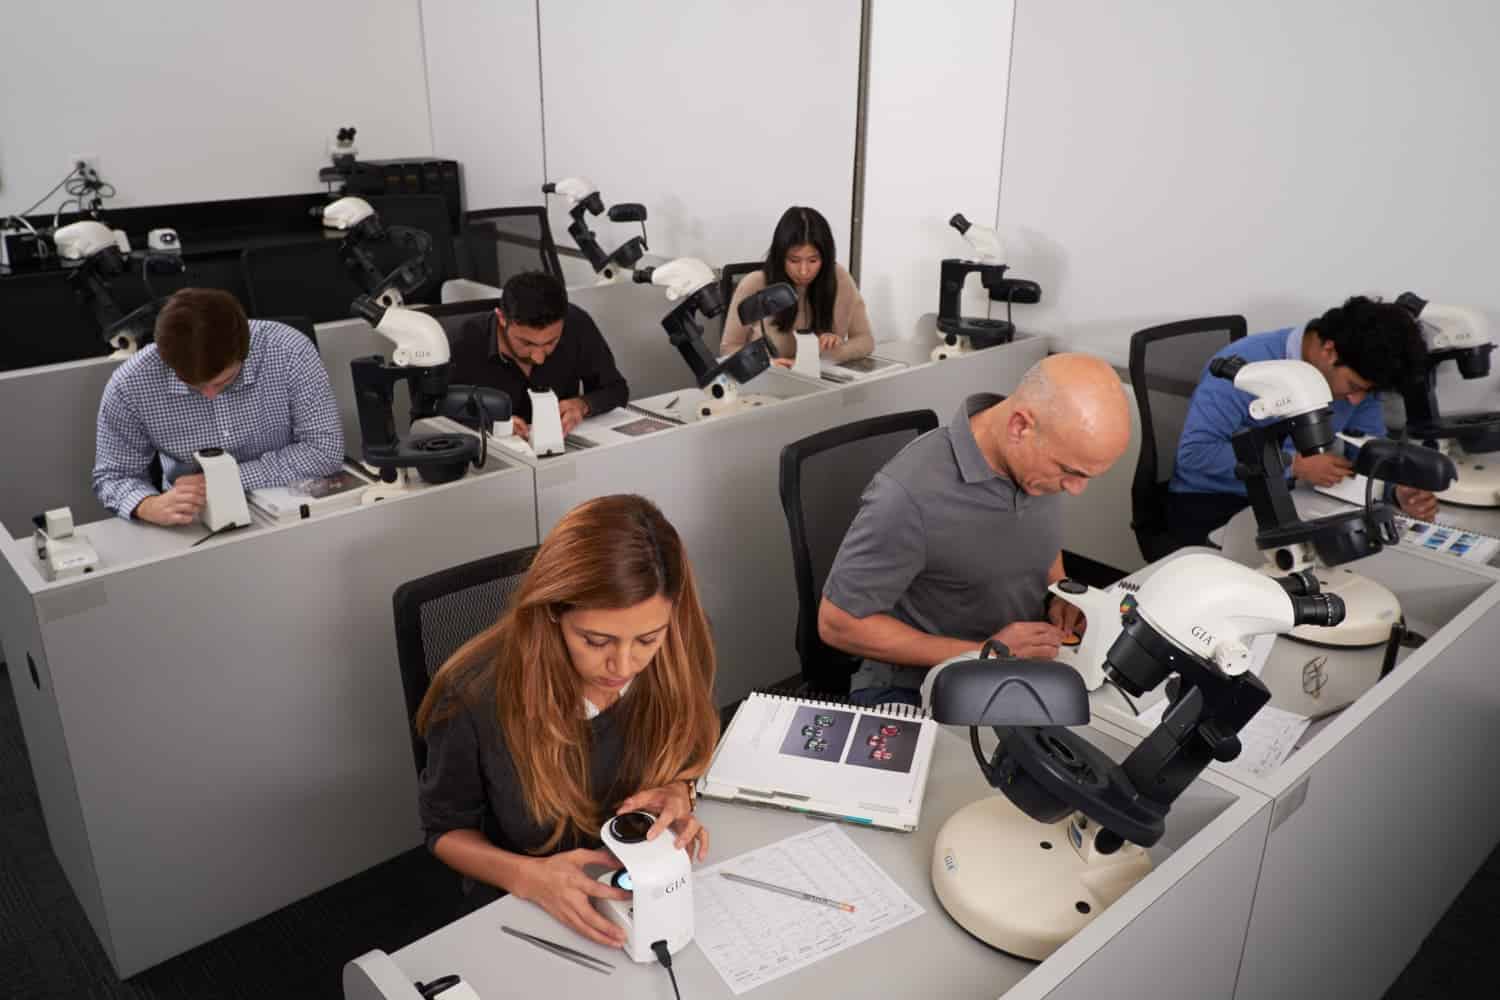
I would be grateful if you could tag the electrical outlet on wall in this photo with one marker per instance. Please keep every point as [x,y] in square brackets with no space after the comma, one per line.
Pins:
[89,160]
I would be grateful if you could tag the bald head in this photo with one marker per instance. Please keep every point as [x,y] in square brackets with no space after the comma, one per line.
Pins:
[1067,422]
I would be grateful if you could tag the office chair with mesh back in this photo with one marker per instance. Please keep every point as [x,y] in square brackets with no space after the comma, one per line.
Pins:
[822,478]
[1173,370]
[501,242]
[303,278]
[438,613]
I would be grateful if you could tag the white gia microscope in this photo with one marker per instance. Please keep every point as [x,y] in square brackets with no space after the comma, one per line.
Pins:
[693,282]
[64,551]
[1295,397]
[958,334]
[658,877]
[95,255]
[583,196]
[1460,335]
[1026,871]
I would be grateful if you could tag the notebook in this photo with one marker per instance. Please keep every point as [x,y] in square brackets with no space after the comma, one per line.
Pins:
[830,759]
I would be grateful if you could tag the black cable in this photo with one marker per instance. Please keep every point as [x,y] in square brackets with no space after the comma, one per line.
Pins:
[66,178]
[213,534]
[665,958]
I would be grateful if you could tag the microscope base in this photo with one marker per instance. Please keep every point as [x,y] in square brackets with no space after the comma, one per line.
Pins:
[944,350]
[735,403]
[1478,483]
[994,876]
[1370,611]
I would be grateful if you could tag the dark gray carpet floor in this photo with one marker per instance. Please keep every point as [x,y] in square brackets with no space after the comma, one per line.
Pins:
[47,948]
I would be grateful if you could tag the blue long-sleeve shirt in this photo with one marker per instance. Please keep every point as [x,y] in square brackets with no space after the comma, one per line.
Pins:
[1205,457]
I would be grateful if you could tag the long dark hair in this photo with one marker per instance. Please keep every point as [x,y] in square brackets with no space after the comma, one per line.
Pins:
[609,552]
[801,225]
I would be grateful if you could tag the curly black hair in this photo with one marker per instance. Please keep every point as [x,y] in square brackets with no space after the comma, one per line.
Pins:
[1380,340]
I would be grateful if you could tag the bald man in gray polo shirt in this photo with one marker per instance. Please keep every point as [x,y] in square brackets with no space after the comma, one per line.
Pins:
[959,535]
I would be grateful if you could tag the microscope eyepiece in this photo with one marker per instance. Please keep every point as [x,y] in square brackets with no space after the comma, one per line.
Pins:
[1226,367]
[959,222]
[1323,610]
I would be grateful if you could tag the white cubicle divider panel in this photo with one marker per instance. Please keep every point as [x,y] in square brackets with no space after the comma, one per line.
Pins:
[219,731]
[629,316]
[715,115]
[1177,934]
[1363,806]
[48,415]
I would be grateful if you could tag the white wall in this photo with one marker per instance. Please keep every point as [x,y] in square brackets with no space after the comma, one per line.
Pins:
[1187,157]
[934,134]
[485,93]
[717,115]
[186,101]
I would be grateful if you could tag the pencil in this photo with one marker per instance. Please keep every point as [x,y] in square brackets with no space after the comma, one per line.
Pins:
[794,893]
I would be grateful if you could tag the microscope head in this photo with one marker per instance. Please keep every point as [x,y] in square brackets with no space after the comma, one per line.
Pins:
[349,213]
[1291,391]
[418,338]
[582,194]
[82,240]
[985,241]
[1201,616]
[1454,333]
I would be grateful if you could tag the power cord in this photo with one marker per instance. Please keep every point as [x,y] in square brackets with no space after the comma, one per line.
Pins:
[665,958]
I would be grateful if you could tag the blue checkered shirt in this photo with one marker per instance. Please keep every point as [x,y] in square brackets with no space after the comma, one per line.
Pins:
[277,418]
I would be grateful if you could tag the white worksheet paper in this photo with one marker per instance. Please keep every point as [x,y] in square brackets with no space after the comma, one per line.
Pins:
[752,935]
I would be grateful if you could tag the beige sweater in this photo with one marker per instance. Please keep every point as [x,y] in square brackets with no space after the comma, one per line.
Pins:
[851,321]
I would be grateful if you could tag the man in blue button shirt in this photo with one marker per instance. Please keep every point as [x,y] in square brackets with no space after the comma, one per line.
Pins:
[213,379]
[1360,347]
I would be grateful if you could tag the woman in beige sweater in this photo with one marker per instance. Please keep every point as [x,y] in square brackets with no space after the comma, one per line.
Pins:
[828,302]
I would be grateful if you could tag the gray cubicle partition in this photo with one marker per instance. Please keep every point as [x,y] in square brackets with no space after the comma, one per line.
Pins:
[1383,814]
[219,731]
[630,318]
[47,443]
[1176,935]
[717,480]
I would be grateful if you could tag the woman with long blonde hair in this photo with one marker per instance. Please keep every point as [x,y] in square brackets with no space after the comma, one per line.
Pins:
[591,696]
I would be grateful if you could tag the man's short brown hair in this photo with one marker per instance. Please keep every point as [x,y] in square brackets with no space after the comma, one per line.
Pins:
[200,332]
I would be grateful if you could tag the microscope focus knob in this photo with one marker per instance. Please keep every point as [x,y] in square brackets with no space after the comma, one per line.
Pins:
[1224,747]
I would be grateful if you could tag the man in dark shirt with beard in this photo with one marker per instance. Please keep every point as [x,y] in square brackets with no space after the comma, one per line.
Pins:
[536,340]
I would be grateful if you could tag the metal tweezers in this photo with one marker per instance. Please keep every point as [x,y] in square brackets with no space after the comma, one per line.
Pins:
[563,951]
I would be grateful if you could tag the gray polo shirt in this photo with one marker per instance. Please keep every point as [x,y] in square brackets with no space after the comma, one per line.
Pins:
[945,544]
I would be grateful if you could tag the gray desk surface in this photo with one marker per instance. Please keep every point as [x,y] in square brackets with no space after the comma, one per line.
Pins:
[931,955]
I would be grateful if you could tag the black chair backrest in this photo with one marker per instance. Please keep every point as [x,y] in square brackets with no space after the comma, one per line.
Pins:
[438,613]
[822,478]
[1173,370]
[730,275]
[501,242]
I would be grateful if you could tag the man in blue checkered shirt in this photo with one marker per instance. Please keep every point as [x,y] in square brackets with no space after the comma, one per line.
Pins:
[213,379]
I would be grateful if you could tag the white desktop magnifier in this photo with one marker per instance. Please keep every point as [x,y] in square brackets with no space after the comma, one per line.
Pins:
[1460,335]
[693,282]
[64,551]
[958,334]
[1294,396]
[1026,870]
[583,197]
[659,915]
